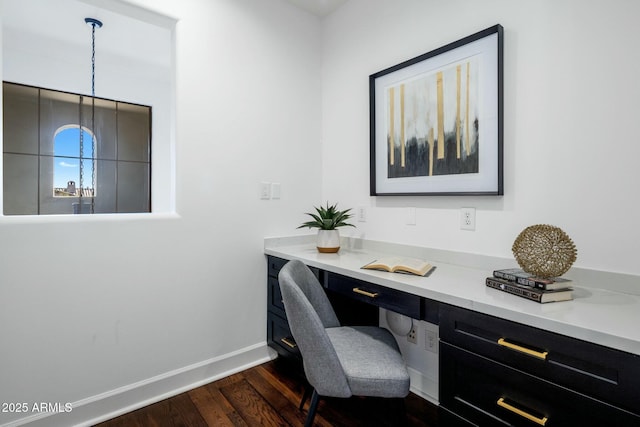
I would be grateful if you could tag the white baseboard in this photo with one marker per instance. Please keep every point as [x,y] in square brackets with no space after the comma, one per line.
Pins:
[423,386]
[108,405]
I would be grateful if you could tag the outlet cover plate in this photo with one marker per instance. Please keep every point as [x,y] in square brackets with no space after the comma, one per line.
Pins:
[468,219]
[412,336]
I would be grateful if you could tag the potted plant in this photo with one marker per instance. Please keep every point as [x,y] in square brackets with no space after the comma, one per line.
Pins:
[327,220]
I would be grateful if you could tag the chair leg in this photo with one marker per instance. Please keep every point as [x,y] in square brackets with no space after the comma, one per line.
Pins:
[313,406]
[402,412]
[305,396]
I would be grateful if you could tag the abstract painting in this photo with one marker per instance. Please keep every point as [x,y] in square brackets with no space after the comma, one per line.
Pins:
[436,121]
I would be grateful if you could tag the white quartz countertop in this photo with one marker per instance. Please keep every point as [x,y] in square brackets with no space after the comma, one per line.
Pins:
[597,315]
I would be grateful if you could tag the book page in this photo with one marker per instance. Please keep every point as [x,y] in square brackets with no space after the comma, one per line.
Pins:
[412,263]
[401,265]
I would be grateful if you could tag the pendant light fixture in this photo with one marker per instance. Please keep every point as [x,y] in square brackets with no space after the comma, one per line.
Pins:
[93,23]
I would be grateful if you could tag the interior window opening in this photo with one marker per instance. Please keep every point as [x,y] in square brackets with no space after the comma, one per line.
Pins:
[45,170]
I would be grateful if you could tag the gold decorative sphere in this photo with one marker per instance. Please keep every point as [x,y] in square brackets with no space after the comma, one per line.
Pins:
[544,251]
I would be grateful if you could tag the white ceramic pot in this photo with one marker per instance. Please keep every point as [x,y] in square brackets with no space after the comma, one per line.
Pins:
[328,241]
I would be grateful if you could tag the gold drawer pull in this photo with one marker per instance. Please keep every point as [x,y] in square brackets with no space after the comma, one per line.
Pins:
[288,342]
[365,293]
[540,421]
[539,354]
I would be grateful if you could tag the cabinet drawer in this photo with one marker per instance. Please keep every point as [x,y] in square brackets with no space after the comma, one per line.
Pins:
[430,311]
[275,296]
[279,337]
[391,299]
[600,372]
[274,265]
[449,419]
[484,392]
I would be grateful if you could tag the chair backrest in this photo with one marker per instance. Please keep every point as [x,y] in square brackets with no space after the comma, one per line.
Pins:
[309,312]
[297,272]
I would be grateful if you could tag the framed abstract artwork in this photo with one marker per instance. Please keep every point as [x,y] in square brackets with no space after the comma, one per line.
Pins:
[436,121]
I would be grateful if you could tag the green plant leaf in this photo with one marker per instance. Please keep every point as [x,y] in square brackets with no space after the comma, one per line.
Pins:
[328,218]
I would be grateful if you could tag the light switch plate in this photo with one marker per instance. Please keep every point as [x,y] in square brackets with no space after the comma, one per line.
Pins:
[275,190]
[265,190]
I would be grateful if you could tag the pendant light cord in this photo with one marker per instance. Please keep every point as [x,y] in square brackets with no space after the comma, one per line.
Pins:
[94,23]
[93,117]
[93,59]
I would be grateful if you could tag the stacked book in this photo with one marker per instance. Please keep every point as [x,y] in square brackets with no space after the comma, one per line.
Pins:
[517,282]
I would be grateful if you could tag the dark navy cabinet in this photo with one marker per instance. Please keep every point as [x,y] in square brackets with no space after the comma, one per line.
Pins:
[494,372]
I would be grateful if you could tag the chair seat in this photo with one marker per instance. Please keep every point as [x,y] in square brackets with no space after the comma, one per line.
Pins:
[371,361]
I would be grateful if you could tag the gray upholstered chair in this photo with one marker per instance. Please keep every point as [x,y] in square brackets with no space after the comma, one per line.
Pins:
[339,361]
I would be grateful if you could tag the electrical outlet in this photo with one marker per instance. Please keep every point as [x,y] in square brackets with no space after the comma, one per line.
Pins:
[411,216]
[468,219]
[362,214]
[412,336]
[431,341]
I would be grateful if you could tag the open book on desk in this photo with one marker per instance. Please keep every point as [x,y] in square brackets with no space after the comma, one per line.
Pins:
[401,265]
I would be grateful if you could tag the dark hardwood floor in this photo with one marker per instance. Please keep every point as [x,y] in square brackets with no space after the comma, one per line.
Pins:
[269,395]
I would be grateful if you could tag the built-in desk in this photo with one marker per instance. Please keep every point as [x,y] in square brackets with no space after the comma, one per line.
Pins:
[501,356]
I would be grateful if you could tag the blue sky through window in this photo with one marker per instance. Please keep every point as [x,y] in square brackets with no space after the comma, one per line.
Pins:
[67,157]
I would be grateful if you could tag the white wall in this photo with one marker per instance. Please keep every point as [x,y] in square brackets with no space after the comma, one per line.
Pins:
[155,293]
[39,56]
[256,84]
[570,91]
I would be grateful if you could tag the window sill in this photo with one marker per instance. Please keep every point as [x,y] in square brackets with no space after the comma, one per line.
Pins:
[106,217]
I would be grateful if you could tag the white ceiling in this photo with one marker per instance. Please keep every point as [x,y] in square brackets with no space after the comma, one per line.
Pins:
[320,8]
[122,35]
[131,37]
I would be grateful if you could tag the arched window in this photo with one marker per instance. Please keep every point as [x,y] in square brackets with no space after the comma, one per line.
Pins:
[67,181]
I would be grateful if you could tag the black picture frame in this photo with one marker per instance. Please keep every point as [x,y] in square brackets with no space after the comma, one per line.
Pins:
[459,83]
